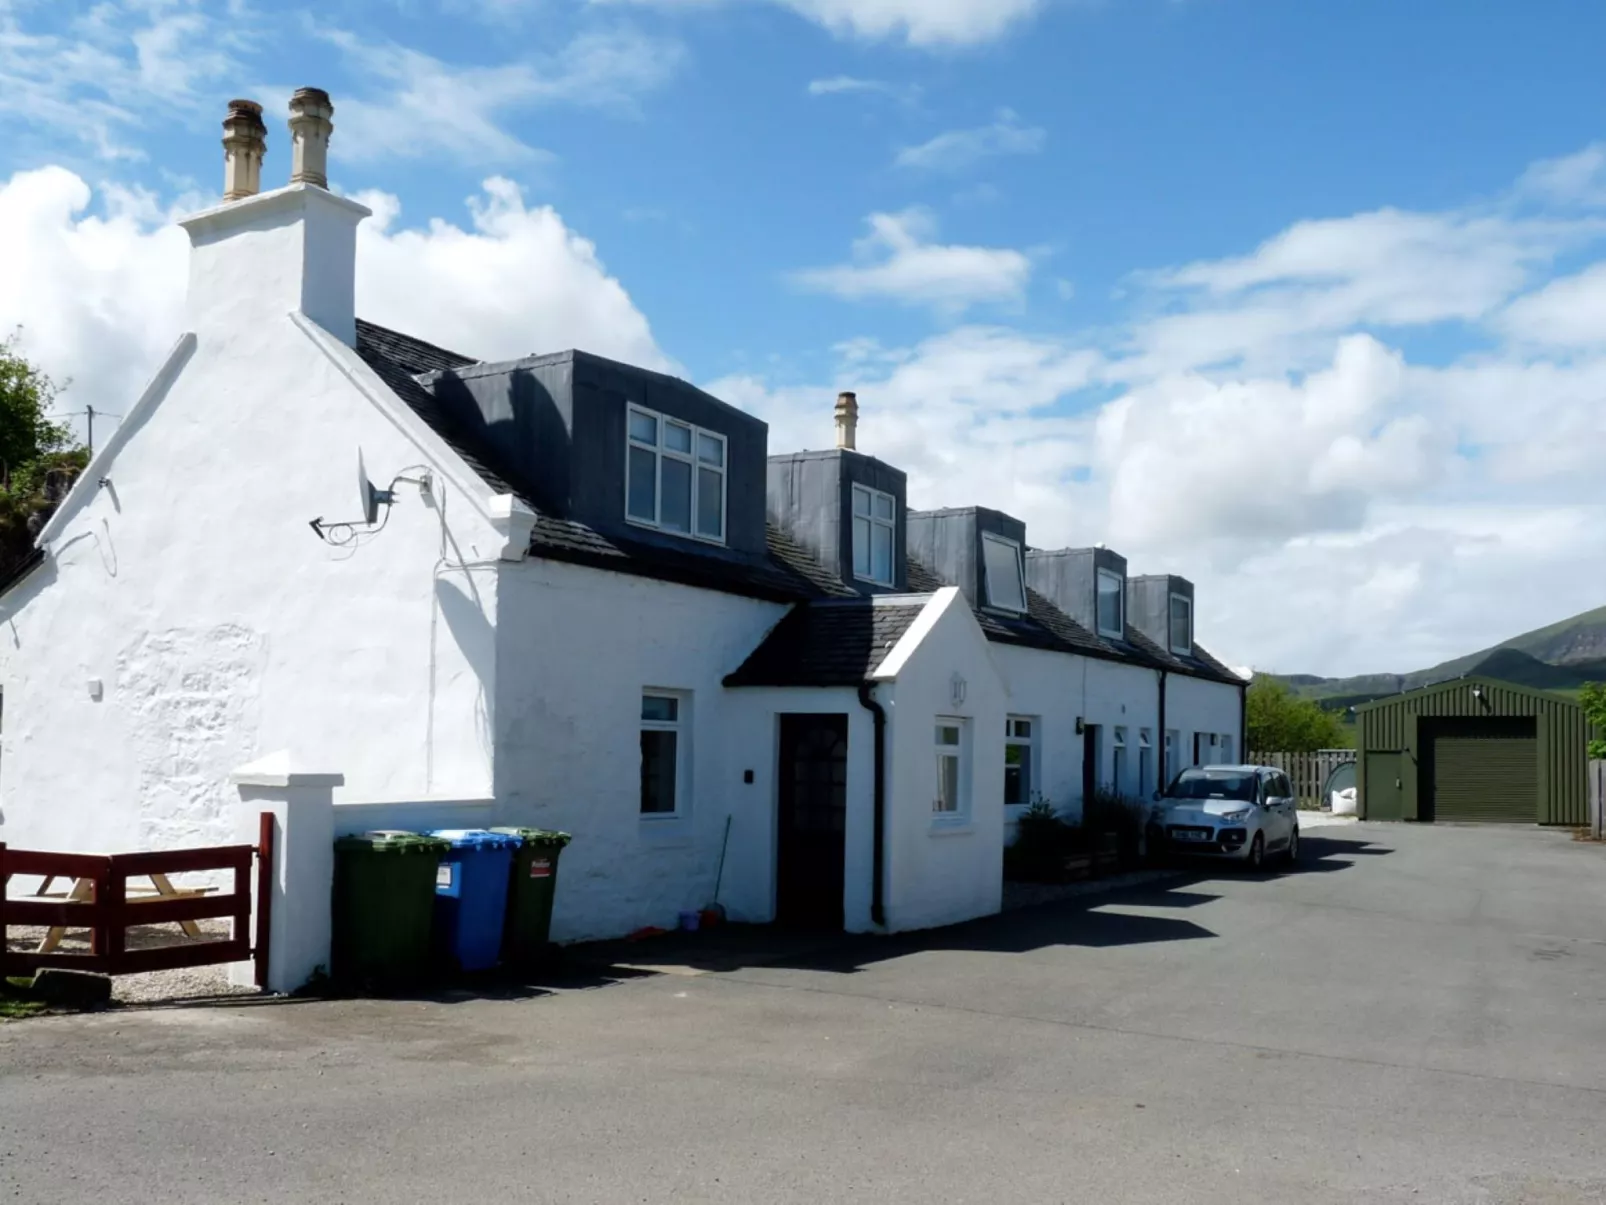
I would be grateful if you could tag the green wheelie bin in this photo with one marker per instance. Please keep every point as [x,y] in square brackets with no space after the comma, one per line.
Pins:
[384,906]
[527,932]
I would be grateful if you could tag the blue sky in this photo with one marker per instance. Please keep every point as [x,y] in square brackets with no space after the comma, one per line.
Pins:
[1091,263]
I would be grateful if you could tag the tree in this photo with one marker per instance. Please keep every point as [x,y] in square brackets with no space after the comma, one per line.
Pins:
[1281,722]
[39,458]
[1593,696]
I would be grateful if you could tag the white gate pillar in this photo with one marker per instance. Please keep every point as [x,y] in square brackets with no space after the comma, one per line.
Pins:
[303,805]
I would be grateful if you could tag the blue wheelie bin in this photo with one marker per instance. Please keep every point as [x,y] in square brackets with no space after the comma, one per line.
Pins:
[471,896]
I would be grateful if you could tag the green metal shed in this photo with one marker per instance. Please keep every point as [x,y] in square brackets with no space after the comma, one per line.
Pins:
[1473,750]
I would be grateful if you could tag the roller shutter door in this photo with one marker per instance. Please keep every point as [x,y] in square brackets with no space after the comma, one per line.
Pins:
[1485,770]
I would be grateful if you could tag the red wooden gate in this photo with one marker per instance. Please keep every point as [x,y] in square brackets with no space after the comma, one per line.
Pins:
[108,912]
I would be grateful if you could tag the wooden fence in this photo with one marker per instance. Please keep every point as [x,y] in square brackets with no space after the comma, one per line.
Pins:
[1307,771]
[99,901]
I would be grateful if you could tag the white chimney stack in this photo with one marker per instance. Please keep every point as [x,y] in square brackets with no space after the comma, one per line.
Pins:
[245,141]
[847,421]
[311,112]
[263,255]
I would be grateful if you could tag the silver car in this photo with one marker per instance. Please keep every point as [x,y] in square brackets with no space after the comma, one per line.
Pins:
[1245,813]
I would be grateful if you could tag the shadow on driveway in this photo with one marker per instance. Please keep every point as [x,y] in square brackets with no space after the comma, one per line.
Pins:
[1094,920]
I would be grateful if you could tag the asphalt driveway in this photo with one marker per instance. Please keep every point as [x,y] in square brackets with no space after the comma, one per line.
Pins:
[1419,1015]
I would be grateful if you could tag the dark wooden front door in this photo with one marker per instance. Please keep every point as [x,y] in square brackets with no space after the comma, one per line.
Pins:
[812,820]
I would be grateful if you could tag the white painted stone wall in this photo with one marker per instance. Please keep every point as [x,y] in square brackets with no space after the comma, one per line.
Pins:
[752,731]
[1194,705]
[941,871]
[578,647]
[1055,689]
[188,621]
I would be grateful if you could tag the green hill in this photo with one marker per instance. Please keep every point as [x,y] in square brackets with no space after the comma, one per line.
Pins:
[1560,657]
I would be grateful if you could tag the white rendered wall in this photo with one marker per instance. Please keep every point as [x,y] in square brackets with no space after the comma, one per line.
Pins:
[219,628]
[752,742]
[578,646]
[940,872]
[1194,705]
[1055,689]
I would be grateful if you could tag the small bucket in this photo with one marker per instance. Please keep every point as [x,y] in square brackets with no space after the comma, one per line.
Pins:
[689,921]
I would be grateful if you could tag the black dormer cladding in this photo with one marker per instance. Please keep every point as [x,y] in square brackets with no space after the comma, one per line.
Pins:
[1149,606]
[559,424]
[949,543]
[1069,578]
[809,495]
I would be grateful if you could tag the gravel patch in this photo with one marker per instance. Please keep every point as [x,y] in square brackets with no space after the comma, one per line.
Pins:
[150,987]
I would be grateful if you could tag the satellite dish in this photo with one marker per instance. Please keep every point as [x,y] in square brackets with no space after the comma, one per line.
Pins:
[369,496]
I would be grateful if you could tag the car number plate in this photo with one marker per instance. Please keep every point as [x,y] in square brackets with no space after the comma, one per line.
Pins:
[1191,834]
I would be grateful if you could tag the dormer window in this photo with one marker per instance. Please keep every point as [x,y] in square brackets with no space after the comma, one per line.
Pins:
[874,535]
[1006,588]
[675,479]
[1182,624]
[1111,605]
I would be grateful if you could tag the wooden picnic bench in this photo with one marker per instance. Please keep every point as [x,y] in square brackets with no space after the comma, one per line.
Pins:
[83,889]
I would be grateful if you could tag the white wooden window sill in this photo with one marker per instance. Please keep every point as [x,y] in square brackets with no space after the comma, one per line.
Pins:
[963,827]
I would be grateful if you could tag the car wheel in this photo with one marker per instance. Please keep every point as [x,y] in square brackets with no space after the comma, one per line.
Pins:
[1257,853]
[1293,847]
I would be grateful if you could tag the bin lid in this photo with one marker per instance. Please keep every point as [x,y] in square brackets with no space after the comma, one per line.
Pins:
[538,836]
[477,838]
[394,841]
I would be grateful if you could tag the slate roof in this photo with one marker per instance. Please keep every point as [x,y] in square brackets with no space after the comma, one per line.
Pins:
[788,573]
[831,643]
[1045,626]
[825,644]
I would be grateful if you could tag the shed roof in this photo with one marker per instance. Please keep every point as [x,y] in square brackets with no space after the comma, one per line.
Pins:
[1439,688]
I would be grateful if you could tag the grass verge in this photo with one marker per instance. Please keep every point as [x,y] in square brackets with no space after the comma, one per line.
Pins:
[17,1000]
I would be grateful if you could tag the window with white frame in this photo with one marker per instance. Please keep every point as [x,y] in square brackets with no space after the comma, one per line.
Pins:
[675,476]
[1118,772]
[1006,587]
[1020,759]
[1145,762]
[951,801]
[1226,750]
[663,752]
[1181,624]
[1111,605]
[1173,750]
[874,535]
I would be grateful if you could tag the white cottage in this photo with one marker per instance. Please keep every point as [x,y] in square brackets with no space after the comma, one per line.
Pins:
[569,593]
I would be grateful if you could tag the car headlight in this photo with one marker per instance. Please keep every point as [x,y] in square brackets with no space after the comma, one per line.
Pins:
[1237,817]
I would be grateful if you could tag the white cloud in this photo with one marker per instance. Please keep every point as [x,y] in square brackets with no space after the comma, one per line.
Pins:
[897,261]
[957,150]
[1374,442]
[923,23]
[100,295]
[517,281]
[91,77]
[842,85]
[427,107]
[1570,312]
[1286,302]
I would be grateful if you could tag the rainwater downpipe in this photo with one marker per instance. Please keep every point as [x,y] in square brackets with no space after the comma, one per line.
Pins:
[1164,780]
[878,845]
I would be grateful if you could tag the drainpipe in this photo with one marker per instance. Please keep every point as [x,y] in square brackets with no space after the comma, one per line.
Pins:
[1165,769]
[1243,722]
[878,912]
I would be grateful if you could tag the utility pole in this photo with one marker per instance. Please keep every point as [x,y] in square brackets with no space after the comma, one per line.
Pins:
[90,411]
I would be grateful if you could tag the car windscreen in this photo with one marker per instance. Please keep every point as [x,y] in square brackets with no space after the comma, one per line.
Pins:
[1218,784]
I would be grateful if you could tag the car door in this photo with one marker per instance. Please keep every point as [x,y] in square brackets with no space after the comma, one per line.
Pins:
[1271,819]
[1285,809]
[1270,828]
